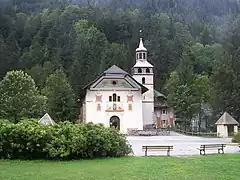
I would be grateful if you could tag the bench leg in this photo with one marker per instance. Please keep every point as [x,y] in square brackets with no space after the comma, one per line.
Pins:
[202,150]
[168,153]
[220,150]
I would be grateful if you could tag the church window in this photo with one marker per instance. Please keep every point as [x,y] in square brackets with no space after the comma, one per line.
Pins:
[114,82]
[147,70]
[130,107]
[114,97]
[98,107]
[137,56]
[139,70]
[114,107]
[110,98]
[119,99]
[98,98]
[130,99]
[140,55]
[143,80]
[164,111]
[144,55]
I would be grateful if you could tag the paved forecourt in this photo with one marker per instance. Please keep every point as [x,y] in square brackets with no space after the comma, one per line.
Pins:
[182,145]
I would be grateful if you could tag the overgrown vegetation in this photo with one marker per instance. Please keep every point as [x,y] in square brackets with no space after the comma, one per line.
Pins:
[236,138]
[64,141]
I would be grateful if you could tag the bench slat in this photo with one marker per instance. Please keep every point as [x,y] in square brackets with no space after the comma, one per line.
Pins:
[213,145]
[210,148]
[157,147]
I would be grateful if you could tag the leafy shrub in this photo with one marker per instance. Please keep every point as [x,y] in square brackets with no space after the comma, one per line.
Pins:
[236,138]
[30,140]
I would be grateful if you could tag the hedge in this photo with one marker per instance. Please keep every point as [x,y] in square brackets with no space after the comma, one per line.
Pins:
[236,138]
[64,141]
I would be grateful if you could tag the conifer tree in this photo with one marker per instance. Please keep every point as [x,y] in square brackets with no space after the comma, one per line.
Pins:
[61,103]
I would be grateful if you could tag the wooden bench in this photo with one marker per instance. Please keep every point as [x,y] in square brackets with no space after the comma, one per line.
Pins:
[219,147]
[157,148]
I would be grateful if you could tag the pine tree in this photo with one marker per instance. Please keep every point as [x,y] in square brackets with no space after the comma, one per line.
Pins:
[61,103]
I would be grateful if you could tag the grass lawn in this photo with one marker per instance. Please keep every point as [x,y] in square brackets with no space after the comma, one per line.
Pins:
[209,167]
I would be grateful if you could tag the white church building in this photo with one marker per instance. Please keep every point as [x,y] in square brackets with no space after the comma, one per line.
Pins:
[120,99]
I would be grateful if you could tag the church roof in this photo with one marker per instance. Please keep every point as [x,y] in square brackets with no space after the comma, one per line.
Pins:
[158,101]
[115,70]
[142,64]
[158,94]
[226,119]
[141,46]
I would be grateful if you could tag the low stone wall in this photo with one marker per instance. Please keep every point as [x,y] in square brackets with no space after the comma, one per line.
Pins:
[149,127]
[150,132]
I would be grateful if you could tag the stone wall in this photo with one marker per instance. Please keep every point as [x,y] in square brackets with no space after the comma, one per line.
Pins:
[150,132]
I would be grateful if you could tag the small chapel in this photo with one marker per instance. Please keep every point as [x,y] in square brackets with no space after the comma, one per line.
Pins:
[127,101]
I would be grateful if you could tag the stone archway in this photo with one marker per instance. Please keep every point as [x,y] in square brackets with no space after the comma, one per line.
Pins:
[115,122]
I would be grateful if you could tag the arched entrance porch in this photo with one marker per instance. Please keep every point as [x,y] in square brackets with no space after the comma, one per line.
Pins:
[115,122]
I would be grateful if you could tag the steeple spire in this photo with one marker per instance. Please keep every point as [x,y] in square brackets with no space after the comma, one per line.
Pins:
[141,46]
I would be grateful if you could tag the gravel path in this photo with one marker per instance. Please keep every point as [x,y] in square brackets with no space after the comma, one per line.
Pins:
[183,145]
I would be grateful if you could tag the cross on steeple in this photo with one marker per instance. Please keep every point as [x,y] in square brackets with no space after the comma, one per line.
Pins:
[140,33]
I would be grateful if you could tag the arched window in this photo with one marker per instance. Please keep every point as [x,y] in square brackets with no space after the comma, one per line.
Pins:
[143,80]
[137,56]
[144,55]
[139,70]
[140,55]
[147,70]
[114,97]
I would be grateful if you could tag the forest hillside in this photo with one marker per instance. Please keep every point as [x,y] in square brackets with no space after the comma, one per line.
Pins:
[193,44]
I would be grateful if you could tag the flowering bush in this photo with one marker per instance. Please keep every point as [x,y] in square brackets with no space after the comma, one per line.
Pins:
[30,140]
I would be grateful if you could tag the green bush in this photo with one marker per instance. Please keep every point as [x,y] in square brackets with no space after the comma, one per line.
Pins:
[236,138]
[30,140]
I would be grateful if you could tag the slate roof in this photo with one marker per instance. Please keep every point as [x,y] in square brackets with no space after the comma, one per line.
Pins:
[115,70]
[226,119]
[158,94]
[161,103]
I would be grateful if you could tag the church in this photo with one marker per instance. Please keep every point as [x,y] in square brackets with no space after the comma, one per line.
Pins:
[127,101]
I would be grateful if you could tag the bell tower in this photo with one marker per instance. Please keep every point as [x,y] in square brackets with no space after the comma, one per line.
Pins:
[142,71]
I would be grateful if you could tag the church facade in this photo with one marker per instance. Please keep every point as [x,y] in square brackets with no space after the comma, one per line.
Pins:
[123,100]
